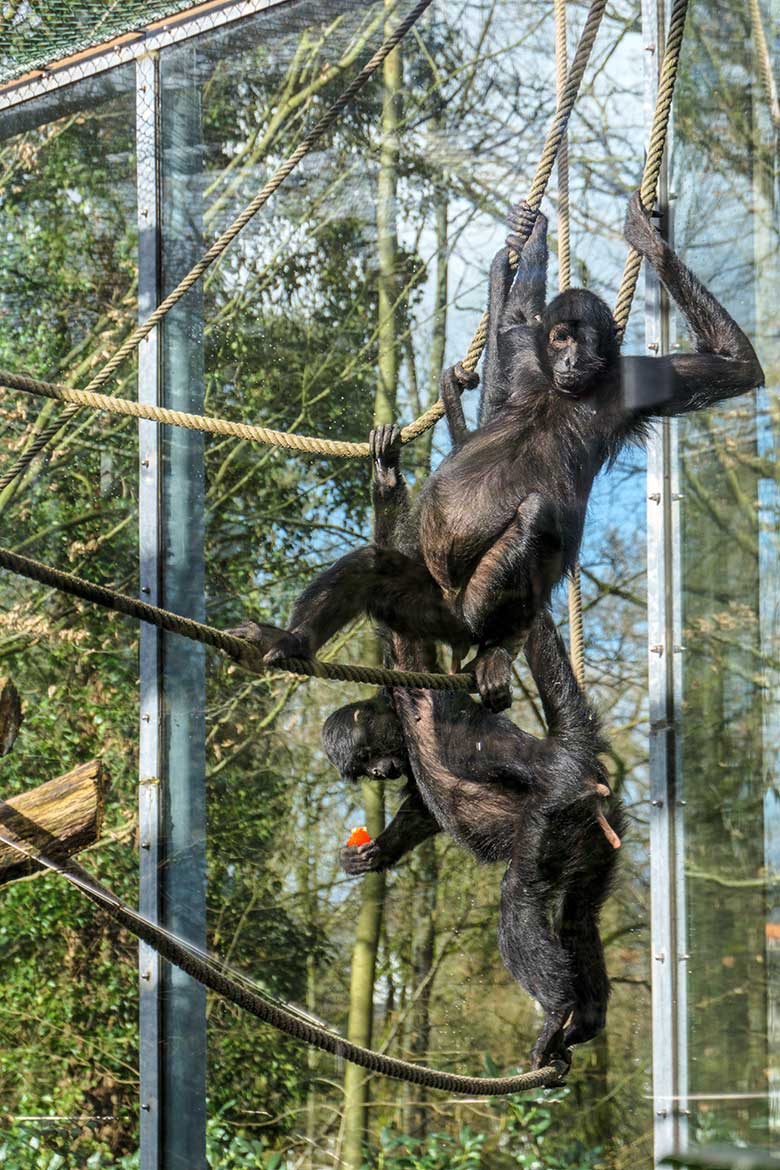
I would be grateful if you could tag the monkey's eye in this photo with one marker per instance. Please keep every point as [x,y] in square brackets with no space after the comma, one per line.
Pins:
[559,336]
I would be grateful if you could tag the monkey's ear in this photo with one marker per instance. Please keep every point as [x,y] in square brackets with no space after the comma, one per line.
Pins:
[356,714]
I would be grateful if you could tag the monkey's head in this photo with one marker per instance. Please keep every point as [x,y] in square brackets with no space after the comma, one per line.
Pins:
[365,739]
[578,341]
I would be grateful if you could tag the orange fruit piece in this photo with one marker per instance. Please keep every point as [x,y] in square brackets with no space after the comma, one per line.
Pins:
[358,836]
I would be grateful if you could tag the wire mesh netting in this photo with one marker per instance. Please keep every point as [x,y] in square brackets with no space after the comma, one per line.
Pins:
[34,33]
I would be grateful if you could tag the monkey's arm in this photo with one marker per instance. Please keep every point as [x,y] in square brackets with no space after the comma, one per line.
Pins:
[410,825]
[725,363]
[516,300]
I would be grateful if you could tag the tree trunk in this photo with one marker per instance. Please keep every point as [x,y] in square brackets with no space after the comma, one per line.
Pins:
[364,954]
[59,817]
[423,945]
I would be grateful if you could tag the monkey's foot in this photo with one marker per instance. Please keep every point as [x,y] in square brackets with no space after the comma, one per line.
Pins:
[493,670]
[288,646]
[549,1050]
[359,859]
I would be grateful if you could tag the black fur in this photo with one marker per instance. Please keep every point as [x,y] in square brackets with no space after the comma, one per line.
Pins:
[500,521]
[502,794]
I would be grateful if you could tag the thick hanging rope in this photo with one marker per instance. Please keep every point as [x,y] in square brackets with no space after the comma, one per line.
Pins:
[213,975]
[131,343]
[765,63]
[576,637]
[655,154]
[239,648]
[87,397]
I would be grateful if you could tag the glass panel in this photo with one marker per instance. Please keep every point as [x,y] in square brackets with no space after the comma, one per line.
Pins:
[68,997]
[291,339]
[725,167]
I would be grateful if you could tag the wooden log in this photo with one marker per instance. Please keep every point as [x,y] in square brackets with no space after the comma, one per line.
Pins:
[60,817]
[10,715]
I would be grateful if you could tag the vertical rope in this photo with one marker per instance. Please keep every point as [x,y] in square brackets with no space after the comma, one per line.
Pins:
[576,637]
[655,154]
[765,62]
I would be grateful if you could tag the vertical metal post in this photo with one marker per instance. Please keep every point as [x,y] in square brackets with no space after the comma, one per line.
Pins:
[172,672]
[183,878]
[149,754]
[664,619]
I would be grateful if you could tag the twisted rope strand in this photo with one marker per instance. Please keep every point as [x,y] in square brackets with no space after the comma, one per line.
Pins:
[320,128]
[576,634]
[655,153]
[245,652]
[546,162]
[212,974]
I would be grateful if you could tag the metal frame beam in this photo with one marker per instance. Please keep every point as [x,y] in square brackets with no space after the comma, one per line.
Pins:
[130,47]
[664,615]
[150,645]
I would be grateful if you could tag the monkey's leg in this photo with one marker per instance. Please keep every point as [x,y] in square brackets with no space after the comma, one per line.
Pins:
[387,585]
[411,825]
[522,565]
[591,983]
[532,953]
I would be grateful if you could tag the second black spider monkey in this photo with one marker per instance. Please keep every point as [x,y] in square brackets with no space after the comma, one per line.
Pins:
[500,521]
[502,794]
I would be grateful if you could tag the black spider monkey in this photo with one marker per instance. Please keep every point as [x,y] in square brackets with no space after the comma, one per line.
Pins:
[500,792]
[500,521]
[503,794]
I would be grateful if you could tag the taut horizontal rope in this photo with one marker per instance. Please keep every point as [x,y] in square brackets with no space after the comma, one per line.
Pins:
[193,422]
[213,975]
[239,648]
[220,245]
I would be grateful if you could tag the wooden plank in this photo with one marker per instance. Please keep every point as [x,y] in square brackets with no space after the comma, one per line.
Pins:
[62,816]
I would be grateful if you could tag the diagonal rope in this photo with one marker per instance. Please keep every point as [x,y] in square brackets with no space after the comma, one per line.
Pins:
[655,154]
[216,977]
[307,143]
[87,397]
[239,648]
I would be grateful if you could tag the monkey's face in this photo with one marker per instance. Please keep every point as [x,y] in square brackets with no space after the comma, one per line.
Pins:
[378,748]
[365,739]
[573,356]
[576,341]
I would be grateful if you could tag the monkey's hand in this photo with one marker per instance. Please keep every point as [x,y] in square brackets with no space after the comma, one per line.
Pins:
[260,636]
[384,443]
[639,230]
[516,241]
[290,645]
[493,670]
[359,859]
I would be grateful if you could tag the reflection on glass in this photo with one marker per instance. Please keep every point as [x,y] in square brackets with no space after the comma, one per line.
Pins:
[727,224]
[68,997]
